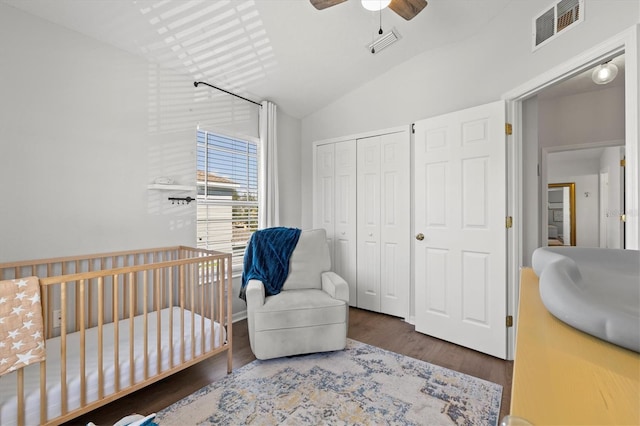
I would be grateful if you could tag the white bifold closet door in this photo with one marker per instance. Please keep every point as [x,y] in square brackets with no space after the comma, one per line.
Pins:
[335,206]
[323,191]
[383,223]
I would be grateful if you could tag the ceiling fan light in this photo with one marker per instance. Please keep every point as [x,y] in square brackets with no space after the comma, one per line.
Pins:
[604,73]
[375,5]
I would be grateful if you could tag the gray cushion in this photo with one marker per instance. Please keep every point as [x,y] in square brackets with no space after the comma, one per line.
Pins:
[309,259]
[299,308]
[295,341]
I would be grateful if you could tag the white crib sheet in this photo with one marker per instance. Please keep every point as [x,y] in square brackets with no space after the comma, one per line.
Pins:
[8,398]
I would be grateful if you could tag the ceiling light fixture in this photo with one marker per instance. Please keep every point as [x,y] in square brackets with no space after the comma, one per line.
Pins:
[375,5]
[604,73]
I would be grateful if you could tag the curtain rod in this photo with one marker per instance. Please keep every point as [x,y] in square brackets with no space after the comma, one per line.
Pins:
[195,83]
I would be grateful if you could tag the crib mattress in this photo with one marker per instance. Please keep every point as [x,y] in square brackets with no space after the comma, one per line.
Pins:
[8,398]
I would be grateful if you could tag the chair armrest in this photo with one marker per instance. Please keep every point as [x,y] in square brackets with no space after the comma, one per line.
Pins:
[335,285]
[255,294]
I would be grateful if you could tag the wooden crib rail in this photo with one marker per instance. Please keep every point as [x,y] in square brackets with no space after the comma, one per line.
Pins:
[183,294]
[68,265]
[97,261]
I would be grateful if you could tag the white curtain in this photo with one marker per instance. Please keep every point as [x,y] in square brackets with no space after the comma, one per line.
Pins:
[268,199]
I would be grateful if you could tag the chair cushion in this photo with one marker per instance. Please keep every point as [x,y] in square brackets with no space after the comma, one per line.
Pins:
[296,341]
[308,261]
[299,308]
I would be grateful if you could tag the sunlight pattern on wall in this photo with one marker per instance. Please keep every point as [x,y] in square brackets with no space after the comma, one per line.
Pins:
[223,42]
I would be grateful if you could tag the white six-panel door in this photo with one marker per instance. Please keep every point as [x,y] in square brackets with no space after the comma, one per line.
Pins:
[460,245]
[335,206]
[383,248]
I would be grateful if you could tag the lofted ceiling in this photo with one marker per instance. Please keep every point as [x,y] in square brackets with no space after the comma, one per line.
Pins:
[282,50]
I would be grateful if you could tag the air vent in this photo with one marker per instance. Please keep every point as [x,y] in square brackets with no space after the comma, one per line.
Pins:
[384,41]
[560,16]
[568,13]
[545,26]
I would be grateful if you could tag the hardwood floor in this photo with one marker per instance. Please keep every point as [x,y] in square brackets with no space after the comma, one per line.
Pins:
[380,330]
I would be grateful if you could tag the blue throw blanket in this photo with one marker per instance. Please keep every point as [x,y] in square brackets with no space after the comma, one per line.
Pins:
[267,258]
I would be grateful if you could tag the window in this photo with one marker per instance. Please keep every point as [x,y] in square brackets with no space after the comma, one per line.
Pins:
[227,182]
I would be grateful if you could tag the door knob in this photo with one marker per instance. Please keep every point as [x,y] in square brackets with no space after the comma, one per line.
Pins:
[420,237]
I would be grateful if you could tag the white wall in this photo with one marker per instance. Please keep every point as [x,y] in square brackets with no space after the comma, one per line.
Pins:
[531,234]
[78,142]
[583,118]
[84,127]
[475,71]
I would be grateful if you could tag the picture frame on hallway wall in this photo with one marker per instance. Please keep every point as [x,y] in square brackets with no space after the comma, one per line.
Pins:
[557,215]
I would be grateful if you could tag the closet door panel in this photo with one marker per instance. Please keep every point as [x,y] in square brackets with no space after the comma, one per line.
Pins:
[394,224]
[323,191]
[368,275]
[368,212]
[344,258]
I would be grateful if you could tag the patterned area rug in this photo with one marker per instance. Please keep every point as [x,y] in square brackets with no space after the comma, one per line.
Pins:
[362,385]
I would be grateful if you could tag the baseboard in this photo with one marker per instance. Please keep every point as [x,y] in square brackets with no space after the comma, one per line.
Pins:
[239,316]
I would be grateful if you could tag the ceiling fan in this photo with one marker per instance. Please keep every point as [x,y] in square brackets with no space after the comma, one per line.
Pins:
[405,8]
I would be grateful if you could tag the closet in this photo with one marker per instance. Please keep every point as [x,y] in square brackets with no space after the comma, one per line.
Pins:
[362,199]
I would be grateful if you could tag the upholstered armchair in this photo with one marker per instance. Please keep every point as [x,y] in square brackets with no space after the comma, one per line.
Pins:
[311,312]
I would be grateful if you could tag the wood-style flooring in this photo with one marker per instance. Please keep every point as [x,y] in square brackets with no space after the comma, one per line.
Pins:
[380,330]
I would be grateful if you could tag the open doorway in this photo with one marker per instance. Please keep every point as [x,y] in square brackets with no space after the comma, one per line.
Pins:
[566,127]
[524,156]
[595,216]
[574,118]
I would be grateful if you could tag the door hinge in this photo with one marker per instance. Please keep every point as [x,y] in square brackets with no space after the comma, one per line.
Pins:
[623,163]
[509,222]
[623,218]
[508,128]
[413,127]
[509,321]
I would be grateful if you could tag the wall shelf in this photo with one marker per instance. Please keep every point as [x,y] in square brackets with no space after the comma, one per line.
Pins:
[172,187]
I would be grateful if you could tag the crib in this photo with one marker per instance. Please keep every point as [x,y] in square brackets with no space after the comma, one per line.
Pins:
[116,322]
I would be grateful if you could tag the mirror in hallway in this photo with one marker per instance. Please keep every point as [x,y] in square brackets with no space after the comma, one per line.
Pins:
[562,214]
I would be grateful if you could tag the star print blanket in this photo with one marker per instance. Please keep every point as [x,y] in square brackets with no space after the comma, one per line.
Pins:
[21,327]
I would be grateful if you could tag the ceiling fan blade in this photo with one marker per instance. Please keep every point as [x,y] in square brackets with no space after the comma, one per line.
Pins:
[407,8]
[323,4]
